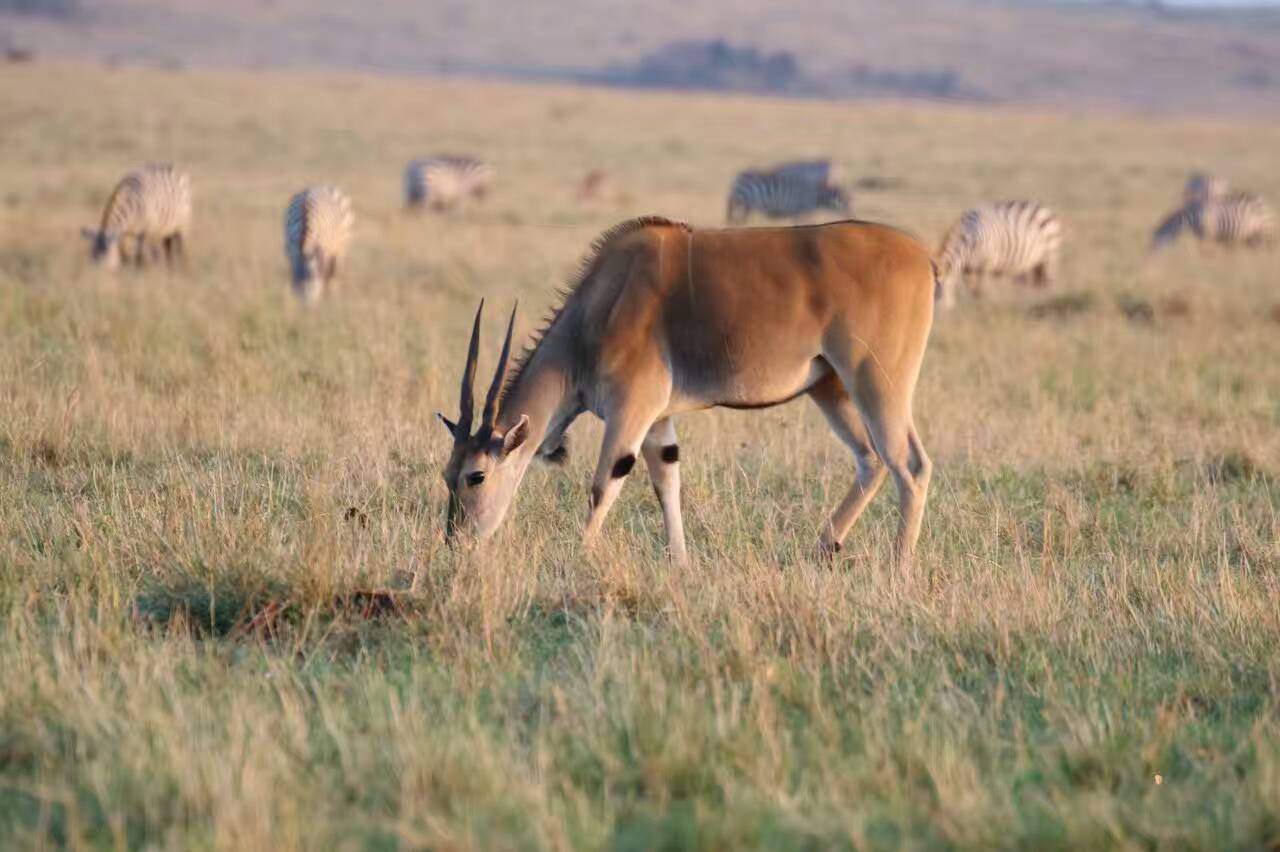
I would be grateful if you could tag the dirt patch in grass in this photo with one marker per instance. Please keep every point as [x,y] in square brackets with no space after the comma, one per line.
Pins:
[1064,306]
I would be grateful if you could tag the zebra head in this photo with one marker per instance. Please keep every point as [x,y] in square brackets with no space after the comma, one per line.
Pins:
[308,276]
[104,247]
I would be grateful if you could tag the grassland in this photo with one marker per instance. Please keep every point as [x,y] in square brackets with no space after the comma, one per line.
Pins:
[227,620]
[1066,55]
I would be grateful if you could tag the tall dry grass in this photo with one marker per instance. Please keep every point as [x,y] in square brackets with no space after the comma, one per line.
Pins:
[228,620]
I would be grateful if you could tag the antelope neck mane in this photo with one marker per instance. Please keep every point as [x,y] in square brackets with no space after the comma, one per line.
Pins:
[581,283]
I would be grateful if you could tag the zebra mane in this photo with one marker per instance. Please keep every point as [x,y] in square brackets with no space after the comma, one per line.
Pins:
[580,280]
[127,184]
[948,249]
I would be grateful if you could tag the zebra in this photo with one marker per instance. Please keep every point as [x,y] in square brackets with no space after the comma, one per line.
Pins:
[781,196]
[820,172]
[150,204]
[442,182]
[1233,219]
[1018,238]
[317,231]
[1201,186]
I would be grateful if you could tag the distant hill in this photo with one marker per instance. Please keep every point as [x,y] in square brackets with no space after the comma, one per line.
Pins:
[1063,55]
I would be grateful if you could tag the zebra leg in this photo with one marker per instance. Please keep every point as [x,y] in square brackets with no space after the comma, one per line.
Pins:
[976,282]
[173,250]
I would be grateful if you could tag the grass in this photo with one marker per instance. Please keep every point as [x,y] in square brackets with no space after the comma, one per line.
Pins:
[227,620]
[1064,55]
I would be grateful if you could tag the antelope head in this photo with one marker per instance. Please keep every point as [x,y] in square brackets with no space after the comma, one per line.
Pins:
[484,468]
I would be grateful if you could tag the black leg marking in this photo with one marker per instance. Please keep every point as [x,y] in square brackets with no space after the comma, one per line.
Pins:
[671,453]
[559,455]
[623,465]
[595,496]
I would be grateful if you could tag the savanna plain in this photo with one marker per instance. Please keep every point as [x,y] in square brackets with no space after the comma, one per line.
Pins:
[228,619]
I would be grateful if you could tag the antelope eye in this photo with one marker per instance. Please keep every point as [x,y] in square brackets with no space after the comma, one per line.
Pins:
[475,478]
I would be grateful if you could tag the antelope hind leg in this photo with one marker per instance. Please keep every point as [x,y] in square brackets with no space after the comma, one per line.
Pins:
[899,447]
[886,414]
[843,418]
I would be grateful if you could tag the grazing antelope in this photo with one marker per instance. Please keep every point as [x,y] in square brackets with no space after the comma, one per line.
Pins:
[1018,238]
[781,196]
[150,205]
[441,182]
[664,319]
[317,231]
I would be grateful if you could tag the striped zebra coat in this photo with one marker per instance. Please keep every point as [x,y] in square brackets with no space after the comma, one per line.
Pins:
[442,182]
[317,231]
[1238,218]
[1202,187]
[1022,239]
[149,208]
[780,196]
[821,172]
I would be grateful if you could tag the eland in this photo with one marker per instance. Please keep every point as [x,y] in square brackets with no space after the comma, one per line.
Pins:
[664,319]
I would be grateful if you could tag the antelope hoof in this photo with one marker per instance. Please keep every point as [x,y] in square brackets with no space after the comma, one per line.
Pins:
[827,551]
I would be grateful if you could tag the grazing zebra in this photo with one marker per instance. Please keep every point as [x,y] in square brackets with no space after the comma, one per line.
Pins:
[1018,238]
[780,196]
[821,172]
[317,230]
[1201,187]
[150,205]
[442,182]
[1239,218]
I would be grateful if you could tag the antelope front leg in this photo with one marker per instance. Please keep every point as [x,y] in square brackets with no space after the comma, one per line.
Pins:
[662,457]
[622,436]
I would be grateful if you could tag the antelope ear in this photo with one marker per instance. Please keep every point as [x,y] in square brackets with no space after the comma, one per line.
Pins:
[448,424]
[516,435]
